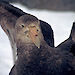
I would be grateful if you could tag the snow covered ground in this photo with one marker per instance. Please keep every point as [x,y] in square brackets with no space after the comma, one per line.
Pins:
[61,23]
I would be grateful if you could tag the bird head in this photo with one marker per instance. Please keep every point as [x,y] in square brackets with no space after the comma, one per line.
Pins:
[28,30]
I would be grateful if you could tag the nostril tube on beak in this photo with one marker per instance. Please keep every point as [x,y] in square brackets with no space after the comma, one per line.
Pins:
[36,35]
[27,35]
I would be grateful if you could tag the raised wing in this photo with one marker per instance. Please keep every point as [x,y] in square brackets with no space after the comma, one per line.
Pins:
[47,33]
[8,16]
[69,44]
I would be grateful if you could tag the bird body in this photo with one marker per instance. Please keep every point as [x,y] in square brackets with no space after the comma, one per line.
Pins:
[43,61]
[38,58]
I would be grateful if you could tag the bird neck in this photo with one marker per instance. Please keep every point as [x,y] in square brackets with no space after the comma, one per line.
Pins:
[26,49]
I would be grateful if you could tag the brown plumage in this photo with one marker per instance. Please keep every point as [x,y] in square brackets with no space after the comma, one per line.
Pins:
[35,57]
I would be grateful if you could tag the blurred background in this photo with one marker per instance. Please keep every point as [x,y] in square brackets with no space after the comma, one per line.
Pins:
[60,14]
[61,5]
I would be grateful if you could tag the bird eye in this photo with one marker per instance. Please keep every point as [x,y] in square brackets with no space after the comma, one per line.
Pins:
[37,30]
[22,25]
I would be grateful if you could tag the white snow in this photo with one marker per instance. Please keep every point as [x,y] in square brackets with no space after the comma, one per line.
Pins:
[6,60]
[61,23]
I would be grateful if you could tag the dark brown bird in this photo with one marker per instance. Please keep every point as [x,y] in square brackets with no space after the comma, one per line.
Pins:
[8,16]
[35,57]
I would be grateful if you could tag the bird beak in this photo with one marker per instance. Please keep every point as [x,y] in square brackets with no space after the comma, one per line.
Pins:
[34,36]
